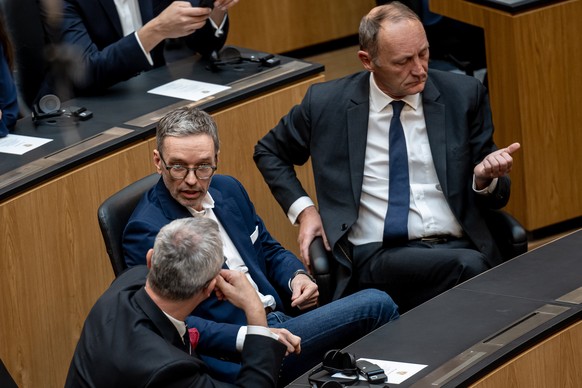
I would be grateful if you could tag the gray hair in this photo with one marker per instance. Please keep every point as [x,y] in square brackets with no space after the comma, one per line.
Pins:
[187,256]
[187,121]
[371,24]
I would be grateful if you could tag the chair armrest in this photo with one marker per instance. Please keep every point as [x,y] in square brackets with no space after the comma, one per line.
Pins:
[321,268]
[319,257]
[509,235]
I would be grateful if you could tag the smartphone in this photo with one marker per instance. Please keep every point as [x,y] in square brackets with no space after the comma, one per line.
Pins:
[372,372]
[206,4]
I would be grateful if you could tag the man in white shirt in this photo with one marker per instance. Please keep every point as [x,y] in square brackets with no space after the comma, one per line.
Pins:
[453,169]
[118,39]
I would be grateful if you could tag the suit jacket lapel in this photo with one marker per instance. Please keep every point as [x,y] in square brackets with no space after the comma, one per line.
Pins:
[111,11]
[147,10]
[227,212]
[171,208]
[434,116]
[165,327]
[357,126]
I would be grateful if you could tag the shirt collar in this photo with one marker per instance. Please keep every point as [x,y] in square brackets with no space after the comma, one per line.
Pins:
[379,100]
[180,325]
[207,204]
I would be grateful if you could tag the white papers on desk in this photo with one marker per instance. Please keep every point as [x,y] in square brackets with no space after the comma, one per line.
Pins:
[396,372]
[186,89]
[18,144]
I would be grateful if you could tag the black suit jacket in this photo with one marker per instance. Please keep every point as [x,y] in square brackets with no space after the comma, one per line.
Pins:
[94,29]
[127,341]
[330,126]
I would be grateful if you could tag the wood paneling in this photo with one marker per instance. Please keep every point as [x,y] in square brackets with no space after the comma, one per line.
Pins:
[532,62]
[277,26]
[53,264]
[553,363]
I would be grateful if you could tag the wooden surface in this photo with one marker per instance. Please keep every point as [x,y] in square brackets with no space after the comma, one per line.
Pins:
[54,265]
[532,62]
[556,362]
[277,26]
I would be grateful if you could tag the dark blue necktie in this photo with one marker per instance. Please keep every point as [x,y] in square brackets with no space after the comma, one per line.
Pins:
[396,221]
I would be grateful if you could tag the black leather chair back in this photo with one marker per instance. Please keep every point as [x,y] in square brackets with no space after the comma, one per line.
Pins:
[6,381]
[113,215]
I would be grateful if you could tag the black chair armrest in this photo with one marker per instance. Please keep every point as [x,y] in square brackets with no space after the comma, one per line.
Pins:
[321,268]
[509,235]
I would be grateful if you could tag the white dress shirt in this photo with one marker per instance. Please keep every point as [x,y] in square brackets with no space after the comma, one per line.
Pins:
[429,214]
[233,259]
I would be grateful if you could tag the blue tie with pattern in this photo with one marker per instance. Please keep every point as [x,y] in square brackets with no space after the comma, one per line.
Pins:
[396,221]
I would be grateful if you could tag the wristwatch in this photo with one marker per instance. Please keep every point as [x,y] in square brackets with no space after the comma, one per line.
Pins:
[302,272]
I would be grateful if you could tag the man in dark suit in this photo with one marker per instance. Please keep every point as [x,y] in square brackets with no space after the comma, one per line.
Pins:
[454,168]
[135,335]
[186,158]
[118,40]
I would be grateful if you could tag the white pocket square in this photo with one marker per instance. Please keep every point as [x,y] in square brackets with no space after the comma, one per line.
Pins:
[255,234]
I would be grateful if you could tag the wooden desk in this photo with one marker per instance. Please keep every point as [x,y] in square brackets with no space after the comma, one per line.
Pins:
[534,82]
[279,26]
[53,264]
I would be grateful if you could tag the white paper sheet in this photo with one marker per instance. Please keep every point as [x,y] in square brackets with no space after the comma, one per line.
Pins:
[18,144]
[396,372]
[186,89]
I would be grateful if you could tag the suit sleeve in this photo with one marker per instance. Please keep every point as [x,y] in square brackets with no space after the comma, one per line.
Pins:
[280,264]
[482,143]
[216,339]
[281,149]
[261,361]
[138,237]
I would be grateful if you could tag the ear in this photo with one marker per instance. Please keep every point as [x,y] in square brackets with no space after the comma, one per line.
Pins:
[208,290]
[149,258]
[158,161]
[366,60]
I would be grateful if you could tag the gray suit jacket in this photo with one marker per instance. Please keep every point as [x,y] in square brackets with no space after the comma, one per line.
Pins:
[330,126]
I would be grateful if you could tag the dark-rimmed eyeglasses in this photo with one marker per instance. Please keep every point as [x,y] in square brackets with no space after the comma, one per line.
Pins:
[179,171]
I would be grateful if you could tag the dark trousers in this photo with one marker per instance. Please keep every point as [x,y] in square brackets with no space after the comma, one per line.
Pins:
[418,271]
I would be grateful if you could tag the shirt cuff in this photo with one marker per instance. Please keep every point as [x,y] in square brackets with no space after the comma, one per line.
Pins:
[256,330]
[262,330]
[147,55]
[218,29]
[487,190]
[297,207]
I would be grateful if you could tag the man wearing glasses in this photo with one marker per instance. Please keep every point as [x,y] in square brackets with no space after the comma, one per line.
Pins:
[187,157]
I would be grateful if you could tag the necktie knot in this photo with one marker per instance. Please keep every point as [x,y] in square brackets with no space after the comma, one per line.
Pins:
[397,106]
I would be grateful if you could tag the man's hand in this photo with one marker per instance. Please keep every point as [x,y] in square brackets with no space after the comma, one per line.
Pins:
[310,226]
[292,342]
[177,20]
[236,288]
[224,5]
[220,9]
[495,165]
[305,292]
